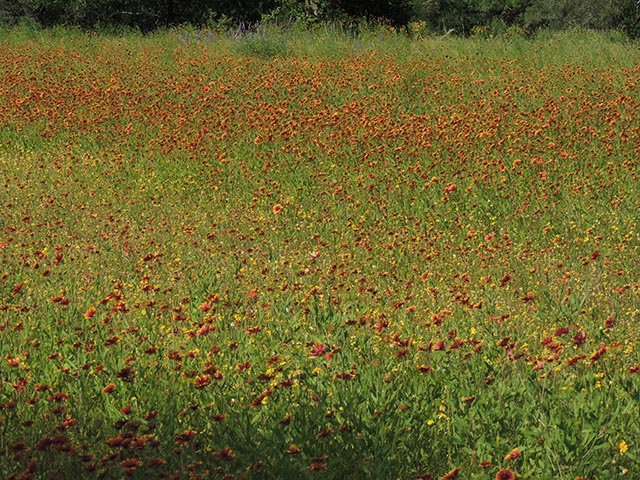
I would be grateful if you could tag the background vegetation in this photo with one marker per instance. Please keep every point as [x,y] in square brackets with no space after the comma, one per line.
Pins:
[460,16]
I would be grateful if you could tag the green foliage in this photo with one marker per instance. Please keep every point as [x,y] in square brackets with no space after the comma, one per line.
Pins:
[263,43]
[631,18]
[561,14]
[462,17]
[13,11]
[306,12]
[398,12]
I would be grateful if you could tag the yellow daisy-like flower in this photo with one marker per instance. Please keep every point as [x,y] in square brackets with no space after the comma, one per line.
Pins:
[623,447]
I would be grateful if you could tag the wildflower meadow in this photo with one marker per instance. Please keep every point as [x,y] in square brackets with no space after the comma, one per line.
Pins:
[319,255]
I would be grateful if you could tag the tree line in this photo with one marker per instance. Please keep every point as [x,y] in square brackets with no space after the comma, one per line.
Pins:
[459,16]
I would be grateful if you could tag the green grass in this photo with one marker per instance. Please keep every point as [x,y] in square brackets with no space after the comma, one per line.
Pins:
[313,254]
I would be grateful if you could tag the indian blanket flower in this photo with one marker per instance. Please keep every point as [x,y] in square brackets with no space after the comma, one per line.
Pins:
[46,442]
[505,474]
[202,381]
[513,454]
[225,454]
[453,474]
[324,433]
[579,338]
[131,464]
[286,420]
[185,437]
[109,388]
[293,450]
[317,350]
[261,399]
[18,447]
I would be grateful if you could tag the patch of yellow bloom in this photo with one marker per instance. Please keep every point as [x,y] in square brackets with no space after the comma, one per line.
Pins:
[623,447]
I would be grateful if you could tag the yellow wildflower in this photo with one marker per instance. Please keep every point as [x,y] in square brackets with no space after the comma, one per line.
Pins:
[623,447]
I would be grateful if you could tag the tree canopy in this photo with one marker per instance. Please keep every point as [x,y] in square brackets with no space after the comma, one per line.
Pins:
[461,16]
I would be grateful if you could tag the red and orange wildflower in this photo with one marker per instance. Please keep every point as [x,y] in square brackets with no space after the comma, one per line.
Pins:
[236,261]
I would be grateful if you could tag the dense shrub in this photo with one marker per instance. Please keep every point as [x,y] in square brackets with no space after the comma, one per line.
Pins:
[559,14]
[460,16]
[12,11]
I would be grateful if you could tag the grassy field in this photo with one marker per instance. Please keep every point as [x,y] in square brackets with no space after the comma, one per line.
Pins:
[319,255]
